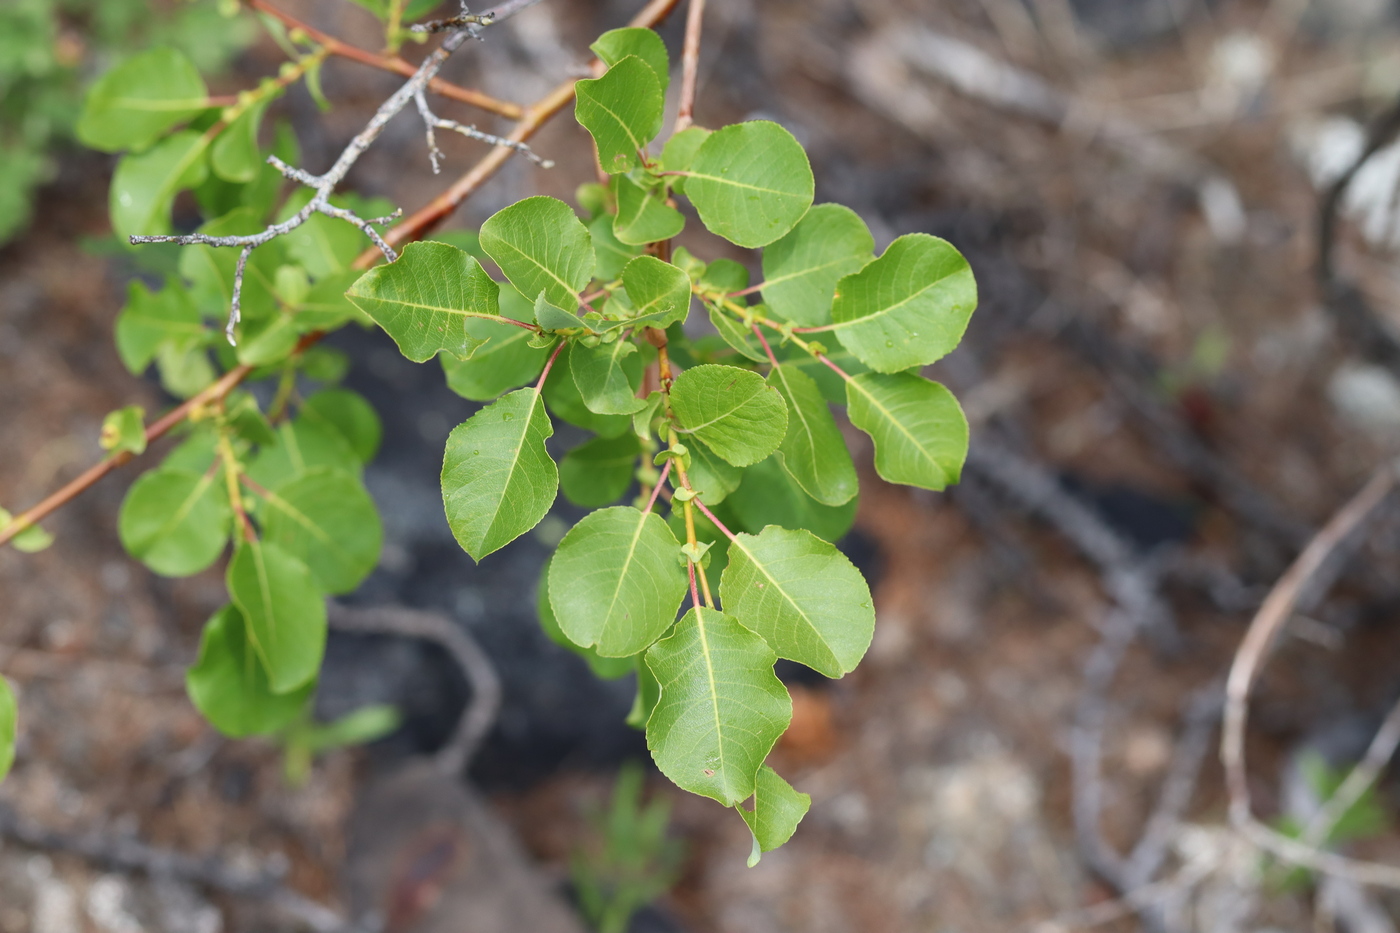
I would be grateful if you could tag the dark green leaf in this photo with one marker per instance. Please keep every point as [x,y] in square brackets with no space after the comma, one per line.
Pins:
[285,612]
[907,308]
[616,44]
[612,254]
[562,395]
[643,216]
[598,472]
[732,410]
[768,495]
[133,105]
[174,521]
[711,477]
[326,519]
[750,182]
[734,333]
[801,270]
[813,451]
[541,246]
[497,479]
[919,430]
[229,685]
[659,292]
[622,111]
[608,376]
[648,693]
[550,317]
[505,361]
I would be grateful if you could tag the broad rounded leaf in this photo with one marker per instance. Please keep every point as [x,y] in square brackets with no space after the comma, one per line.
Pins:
[622,111]
[813,451]
[229,686]
[562,396]
[144,186]
[599,471]
[732,410]
[919,430]
[679,152]
[349,414]
[284,609]
[907,308]
[133,105]
[304,444]
[236,156]
[750,182]
[777,809]
[606,668]
[9,721]
[615,582]
[612,254]
[712,478]
[721,708]
[326,519]
[659,292]
[424,300]
[607,376]
[541,246]
[802,595]
[801,270]
[768,495]
[175,521]
[616,44]
[504,361]
[153,318]
[497,479]
[734,333]
[643,216]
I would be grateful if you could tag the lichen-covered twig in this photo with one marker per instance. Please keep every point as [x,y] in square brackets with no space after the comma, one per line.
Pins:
[432,121]
[324,185]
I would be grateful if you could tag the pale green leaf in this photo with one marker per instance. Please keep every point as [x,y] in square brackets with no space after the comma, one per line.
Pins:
[174,521]
[349,414]
[732,410]
[505,361]
[919,430]
[183,371]
[648,693]
[802,595]
[750,182]
[643,216]
[553,318]
[777,809]
[235,156]
[801,270]
[616,44]
[424,300]
[679,152]
[599,471]
[144,186]
[608,376]
[606,668]
[612,254]
[615,582]
[326,519]
[229,685]
[711,477]
[907,308]
[152,318]
[326,307]
[541,246]
[497,479]
[733,332]
[304,444]
[659,292]
[721,708]
[133,105]
[31,540]
[813,451]
[9,721]
[562,395]
[124,430]
[284,610]
[622,111]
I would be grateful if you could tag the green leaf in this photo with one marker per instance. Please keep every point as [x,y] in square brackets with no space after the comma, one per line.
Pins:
[732,410]
[349,414]
[562,395]
[750,182]
[721,708]
[9,718]
[541,246]
[606,668]
[133,105]
[183,370]
[196,453]
[777,809]
[679,152]
[615,582]
[712,478]
[611,253]
[144,186]
[907,308]
[643,216]
[802,595]
[326,245]
[497,479]
[724,276]
[31,540]
[648,694]
[505,361]
[152,318]
[285,612]
[832,386]
[229,686]
[813,451]
[919,430]
[264,340]
[303,445]
[659,292]
[734,333]
[801,270]
[124,430]
[327,520]
[247,420]
[326,307]
[608,376]
[175,521]
[210,269]
[424,300]
[599,471]
[616,44]
[622,111]
[554,318]
[235,155]
[768,495]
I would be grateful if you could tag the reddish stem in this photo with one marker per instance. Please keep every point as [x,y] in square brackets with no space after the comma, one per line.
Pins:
[694,592]
[711,516]
[660,481]
[839,371]
[764,340]
[547,366]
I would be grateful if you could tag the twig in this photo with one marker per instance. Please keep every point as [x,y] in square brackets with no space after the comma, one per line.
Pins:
[432,121]
[393,64]
[1359,781]
[690,63]
[480,714]
[1263,631]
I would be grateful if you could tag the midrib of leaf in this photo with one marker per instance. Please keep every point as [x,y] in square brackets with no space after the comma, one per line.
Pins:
[790,601]
[542,267]
[889,416]
[154,105]
[418,305]
[302,519]
[891,308]
[801,272]
[514,464]
[714,689]
[185,508]
[801,416]
[636,144]
[741,184]
[631,552]
[721,416]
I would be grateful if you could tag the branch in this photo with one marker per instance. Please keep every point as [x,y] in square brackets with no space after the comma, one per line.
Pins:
[1272,616]
[690,64]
